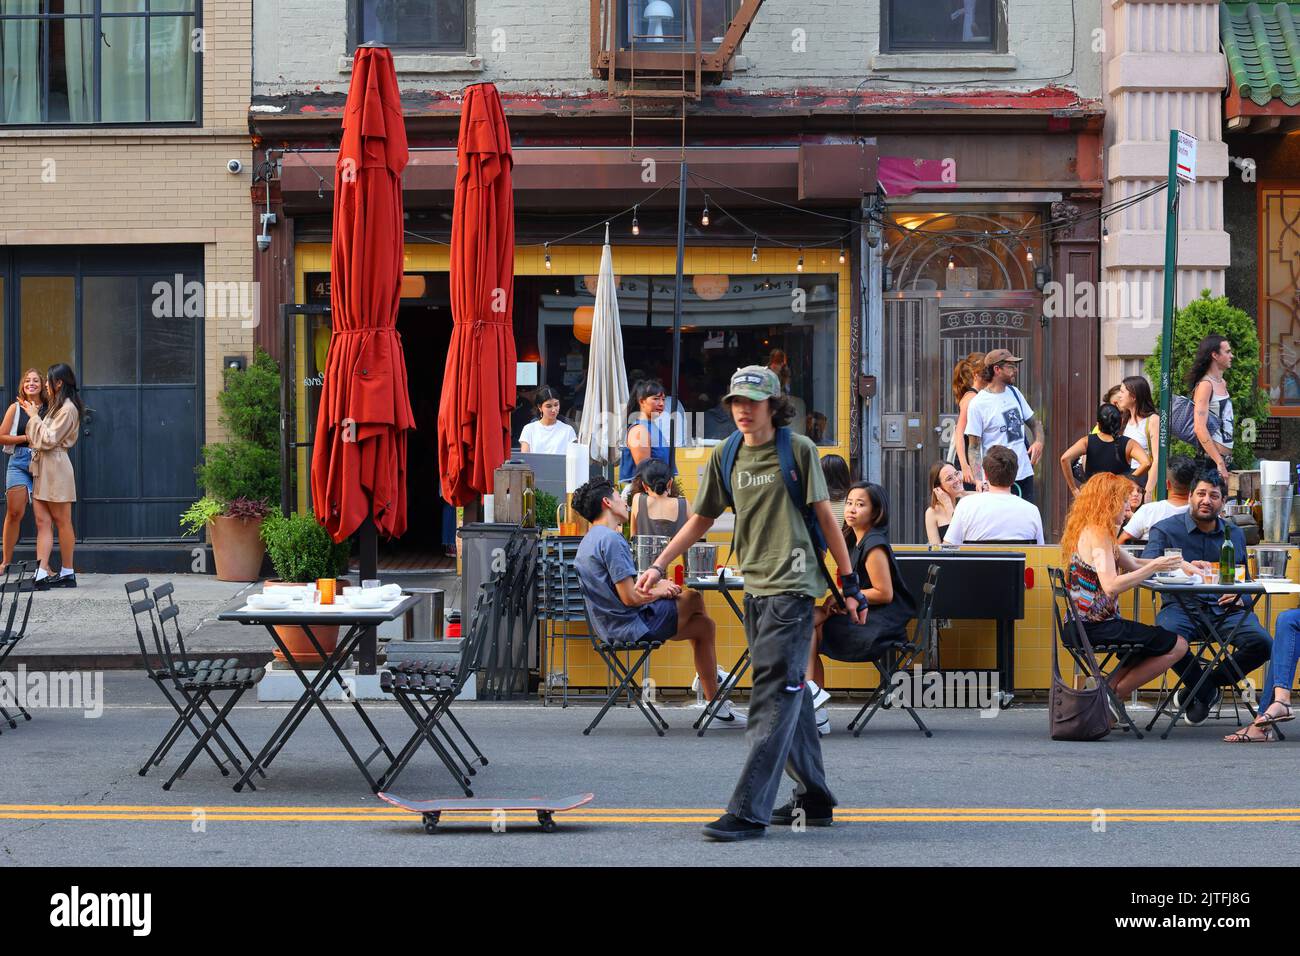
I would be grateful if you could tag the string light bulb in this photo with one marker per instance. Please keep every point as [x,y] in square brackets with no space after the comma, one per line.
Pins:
[1105,233]
[841,255]
[546,248]
[799,265]
[704,218]
[1029,255]
[952,265]
[636,226]
[753,255]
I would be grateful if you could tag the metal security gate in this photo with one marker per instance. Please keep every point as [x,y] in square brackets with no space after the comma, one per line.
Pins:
[924,336]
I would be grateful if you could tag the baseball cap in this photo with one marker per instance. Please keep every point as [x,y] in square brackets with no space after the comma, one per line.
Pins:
[998,356]
[754,382]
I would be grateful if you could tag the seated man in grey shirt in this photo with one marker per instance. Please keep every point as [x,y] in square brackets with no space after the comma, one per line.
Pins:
[619,612]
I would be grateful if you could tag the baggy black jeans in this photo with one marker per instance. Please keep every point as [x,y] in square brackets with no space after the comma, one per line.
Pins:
[782,733]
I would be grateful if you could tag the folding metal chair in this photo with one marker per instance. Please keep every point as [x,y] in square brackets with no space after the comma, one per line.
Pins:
[560,605]
[17,574]
[897,654]
[1069,628]
[192,682]
[512,609]
[426,691]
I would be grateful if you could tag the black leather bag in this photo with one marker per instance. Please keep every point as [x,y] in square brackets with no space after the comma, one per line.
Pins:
[1078,714]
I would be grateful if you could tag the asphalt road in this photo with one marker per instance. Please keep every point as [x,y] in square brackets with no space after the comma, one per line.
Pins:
[980,792]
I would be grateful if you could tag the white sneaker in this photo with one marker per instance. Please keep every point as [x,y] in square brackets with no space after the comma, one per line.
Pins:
[820,695]
[728,716]
[695,684]
[823,723]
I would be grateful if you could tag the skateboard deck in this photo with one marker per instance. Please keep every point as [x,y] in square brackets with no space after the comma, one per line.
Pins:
[431,811]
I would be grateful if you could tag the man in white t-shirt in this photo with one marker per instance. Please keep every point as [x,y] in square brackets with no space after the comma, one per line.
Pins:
[1178,485]
[997,514]
[999,415]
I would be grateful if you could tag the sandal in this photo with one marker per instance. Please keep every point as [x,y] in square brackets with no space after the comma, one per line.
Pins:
[1241,737]
[1264,720]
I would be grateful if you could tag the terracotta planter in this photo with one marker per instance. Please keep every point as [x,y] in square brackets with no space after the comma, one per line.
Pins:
[237,547]
[296,640]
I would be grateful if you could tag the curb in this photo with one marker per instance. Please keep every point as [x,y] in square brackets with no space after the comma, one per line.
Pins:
[81,661]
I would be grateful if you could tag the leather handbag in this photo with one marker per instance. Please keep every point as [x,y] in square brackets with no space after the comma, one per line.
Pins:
[1078,714]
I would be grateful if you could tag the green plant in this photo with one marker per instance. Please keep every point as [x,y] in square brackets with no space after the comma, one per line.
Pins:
[248,465]
[196,516]
[546,505]
[1215,314]
[300,548]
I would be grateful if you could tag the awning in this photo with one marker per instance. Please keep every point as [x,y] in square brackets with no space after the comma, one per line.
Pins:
[1262,47]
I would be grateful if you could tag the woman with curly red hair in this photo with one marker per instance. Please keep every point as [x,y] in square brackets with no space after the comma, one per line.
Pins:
[1100,571]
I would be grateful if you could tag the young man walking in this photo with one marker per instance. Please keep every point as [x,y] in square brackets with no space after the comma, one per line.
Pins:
[999,415]
[782,581]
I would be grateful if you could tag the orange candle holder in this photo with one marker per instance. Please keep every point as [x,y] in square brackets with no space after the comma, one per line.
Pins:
[326,588]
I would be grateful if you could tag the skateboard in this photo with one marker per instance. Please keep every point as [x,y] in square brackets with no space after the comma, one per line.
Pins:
[431,811]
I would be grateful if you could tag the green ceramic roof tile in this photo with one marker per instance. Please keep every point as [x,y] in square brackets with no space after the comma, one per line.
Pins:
[1263,49]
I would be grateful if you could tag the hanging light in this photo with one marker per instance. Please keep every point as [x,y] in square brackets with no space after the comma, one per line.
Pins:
[1029,255]
[704,219]
[799,265]
[753,256]
[841,255]
[952,265]
[546,248]
[636,226]
[1105,233]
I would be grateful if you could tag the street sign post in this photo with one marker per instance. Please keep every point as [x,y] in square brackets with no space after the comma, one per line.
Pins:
[1182,168]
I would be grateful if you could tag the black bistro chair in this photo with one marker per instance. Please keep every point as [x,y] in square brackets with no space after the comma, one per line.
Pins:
[187,684]
[19,578]
[897,654]
[1074,639]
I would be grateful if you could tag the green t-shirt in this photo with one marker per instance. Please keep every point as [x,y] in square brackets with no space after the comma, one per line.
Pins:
[772,544]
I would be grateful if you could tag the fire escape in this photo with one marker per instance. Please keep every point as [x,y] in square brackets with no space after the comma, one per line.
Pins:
[658,55]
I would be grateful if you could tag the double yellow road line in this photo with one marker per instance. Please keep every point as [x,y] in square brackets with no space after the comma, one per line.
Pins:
[636,815]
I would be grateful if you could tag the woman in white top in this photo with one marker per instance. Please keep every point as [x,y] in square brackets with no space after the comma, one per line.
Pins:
[967,380]
[1210,394]
[548,435]
[1141,423]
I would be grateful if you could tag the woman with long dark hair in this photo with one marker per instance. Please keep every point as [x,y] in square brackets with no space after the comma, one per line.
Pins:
[51,431]
[1210,394]
[646,435]
[866,533]
[838,480]
[656,507]
[1107,451]
[1141,423]
[546,435]
[946,488]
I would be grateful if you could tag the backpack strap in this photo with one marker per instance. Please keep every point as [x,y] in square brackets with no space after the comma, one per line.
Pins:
[794,484]
[727,464]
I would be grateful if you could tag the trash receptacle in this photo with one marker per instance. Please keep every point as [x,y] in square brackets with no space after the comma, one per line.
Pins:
[424,621]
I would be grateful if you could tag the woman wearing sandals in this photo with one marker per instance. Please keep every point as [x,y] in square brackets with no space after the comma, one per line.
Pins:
[18,473]
[1275,702]
[50,433]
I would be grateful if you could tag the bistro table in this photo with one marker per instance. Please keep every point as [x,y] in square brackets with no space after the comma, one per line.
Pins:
[724,583]
[1209,634]
[357,621]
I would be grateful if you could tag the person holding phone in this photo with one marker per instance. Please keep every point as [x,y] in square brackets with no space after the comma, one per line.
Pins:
[51,431]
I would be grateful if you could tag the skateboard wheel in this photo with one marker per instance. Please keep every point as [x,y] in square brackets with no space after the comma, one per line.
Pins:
[546,820]
[430,822]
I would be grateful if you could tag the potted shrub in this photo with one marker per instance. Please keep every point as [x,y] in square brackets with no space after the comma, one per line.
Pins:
[302,552]
[241,476]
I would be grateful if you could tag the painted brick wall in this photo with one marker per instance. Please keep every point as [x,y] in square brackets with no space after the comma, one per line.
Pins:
[525,46]
[111,187]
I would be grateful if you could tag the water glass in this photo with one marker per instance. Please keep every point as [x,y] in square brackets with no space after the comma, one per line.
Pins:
[371,583]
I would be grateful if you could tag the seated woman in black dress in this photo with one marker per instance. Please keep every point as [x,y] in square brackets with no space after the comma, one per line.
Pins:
[1107,450]
[891,605]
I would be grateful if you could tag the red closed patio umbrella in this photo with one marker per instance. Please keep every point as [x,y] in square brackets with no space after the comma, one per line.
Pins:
[359,450]
[478,390]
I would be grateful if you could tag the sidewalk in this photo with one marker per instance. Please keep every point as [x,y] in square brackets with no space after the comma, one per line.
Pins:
[90,626]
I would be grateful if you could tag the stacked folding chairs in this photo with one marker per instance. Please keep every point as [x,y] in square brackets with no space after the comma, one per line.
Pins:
[510,603]
[426,690]
[1075,640]
[897,654]
[560,605]
[19,578]
[192,687]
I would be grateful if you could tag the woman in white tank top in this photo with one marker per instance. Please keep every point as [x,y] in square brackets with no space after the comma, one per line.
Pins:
[1141,423]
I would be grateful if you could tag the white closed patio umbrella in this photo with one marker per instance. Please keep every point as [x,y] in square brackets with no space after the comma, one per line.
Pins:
[605,403]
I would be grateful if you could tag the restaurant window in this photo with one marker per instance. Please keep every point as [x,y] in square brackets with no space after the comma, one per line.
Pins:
[727,322]
[434,25]
[1279,306]
[921,25]
[82,62]
[664,25]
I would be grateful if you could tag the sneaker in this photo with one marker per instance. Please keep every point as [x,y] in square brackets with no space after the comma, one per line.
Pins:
[695,684]
[728,716]
[823,723]
[729,829]
[820,695]
[1198,709]
[815,813]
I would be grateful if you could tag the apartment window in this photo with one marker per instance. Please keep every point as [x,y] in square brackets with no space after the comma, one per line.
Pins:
[434,25]
[82,62]
[921,25]
[668,25]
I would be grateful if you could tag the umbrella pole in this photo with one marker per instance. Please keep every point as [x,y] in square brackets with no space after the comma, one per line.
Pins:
[677,314]
[368,562]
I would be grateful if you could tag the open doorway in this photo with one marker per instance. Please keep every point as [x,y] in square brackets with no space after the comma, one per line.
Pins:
[425,326]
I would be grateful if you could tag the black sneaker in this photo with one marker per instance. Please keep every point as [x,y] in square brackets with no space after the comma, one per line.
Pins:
[63,580]
[815,813]
[1198,709]
[728,829]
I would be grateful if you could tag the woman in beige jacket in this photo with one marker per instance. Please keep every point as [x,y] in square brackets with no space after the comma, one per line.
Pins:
[54,485]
